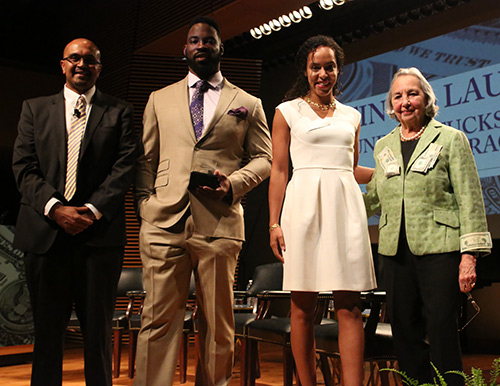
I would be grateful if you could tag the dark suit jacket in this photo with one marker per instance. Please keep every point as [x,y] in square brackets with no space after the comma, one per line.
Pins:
[105,169]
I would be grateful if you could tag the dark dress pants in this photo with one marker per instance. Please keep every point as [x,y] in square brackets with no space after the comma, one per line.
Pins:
[424,300]
[72,272]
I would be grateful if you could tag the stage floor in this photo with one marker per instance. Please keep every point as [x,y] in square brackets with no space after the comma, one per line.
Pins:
[271,361]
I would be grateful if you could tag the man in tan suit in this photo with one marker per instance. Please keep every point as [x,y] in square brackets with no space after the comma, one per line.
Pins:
[201,124]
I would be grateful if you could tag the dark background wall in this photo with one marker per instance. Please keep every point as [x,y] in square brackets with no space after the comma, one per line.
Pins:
[141,43]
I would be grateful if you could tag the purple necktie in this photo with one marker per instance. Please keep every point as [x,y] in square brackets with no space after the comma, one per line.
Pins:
[196,107]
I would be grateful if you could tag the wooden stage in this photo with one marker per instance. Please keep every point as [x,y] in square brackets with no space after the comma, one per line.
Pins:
[271,361]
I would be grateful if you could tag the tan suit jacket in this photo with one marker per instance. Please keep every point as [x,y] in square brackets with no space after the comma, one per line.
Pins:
[171,152]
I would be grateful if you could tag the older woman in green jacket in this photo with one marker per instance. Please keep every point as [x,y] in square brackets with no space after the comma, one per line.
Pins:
[432,227]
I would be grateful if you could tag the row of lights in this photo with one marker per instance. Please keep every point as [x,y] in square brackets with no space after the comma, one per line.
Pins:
[329,4]
[293,17]
[283,21]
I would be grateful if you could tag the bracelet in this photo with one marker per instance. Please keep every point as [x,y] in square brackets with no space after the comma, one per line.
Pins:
[273,227]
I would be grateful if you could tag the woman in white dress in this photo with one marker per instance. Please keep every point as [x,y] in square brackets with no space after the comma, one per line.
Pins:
[319,227]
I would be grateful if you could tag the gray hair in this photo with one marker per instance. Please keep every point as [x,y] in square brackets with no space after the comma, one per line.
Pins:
[431,108]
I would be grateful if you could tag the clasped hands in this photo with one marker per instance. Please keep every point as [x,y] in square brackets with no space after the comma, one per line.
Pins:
[72,219]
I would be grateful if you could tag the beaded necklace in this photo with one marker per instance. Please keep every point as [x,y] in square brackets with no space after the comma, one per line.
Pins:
[407,139]
[322,107]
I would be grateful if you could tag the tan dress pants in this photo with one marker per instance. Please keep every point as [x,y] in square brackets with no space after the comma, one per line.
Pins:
[168,258]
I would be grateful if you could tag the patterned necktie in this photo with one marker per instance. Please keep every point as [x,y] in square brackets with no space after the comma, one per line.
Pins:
[196,107]
[74,140]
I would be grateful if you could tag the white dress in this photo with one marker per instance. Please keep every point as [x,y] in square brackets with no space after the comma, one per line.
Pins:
[324,219]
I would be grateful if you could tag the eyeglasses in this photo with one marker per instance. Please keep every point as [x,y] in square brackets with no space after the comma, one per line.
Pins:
[89,60]
[476,307]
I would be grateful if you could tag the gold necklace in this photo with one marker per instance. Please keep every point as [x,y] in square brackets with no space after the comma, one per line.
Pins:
[330,105]
[408,139]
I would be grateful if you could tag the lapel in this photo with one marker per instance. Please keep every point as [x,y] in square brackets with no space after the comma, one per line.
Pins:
[395,145]
[430,133]
[182,100]
[56,124]
[96,112]
[227,95]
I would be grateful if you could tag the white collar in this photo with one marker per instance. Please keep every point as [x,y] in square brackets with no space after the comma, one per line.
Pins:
[215,80]
[72,97]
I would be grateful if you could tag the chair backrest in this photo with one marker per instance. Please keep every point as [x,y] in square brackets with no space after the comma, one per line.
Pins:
[269,277]
[266,277]
[130,280]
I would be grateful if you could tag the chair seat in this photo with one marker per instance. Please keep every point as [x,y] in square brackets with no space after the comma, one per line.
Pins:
[379,346]
[119,320]
[135,322]
[327,336]
[241,321]
[275,330]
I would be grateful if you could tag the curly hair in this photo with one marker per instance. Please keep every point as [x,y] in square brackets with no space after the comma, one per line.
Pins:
[301,86]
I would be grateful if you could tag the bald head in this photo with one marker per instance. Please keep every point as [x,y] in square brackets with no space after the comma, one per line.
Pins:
[82,42]
[81,64]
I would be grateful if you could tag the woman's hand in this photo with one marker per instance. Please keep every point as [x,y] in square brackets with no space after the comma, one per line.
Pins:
[467,273]
[277,242]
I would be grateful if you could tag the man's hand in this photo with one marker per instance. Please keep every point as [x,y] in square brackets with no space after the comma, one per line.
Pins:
[72,219]
[220,192]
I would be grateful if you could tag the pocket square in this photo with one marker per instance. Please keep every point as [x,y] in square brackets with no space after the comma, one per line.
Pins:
[240,112]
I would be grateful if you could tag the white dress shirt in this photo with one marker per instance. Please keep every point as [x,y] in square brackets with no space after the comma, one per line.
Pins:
[70,100]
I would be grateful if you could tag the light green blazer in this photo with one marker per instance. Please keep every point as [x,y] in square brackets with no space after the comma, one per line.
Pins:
[443,208]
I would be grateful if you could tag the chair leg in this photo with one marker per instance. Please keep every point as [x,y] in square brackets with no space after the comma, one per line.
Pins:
[117,351]
[384,375]
[244,362]
[253,352]
[183,351]
[132,348]
[325,370]
[288,366]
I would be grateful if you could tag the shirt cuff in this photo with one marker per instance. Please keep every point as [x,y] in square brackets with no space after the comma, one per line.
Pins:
[49,205]
[479,242]
[94,210]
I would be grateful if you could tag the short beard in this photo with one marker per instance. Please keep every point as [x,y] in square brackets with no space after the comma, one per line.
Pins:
[206,69]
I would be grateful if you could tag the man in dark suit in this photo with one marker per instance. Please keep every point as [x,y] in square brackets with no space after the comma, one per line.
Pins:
[73,163]
[201,124]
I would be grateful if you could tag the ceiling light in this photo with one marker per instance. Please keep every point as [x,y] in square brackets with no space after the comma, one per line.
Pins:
[326,4]
[255,32]
[285,21]
[265,29]
[295,16]
[275,25]
[306,12]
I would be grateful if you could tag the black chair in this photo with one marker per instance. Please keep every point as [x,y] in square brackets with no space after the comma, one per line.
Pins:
[274,328]
[265,277]
[134,311]
[130,280]
[379,349]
